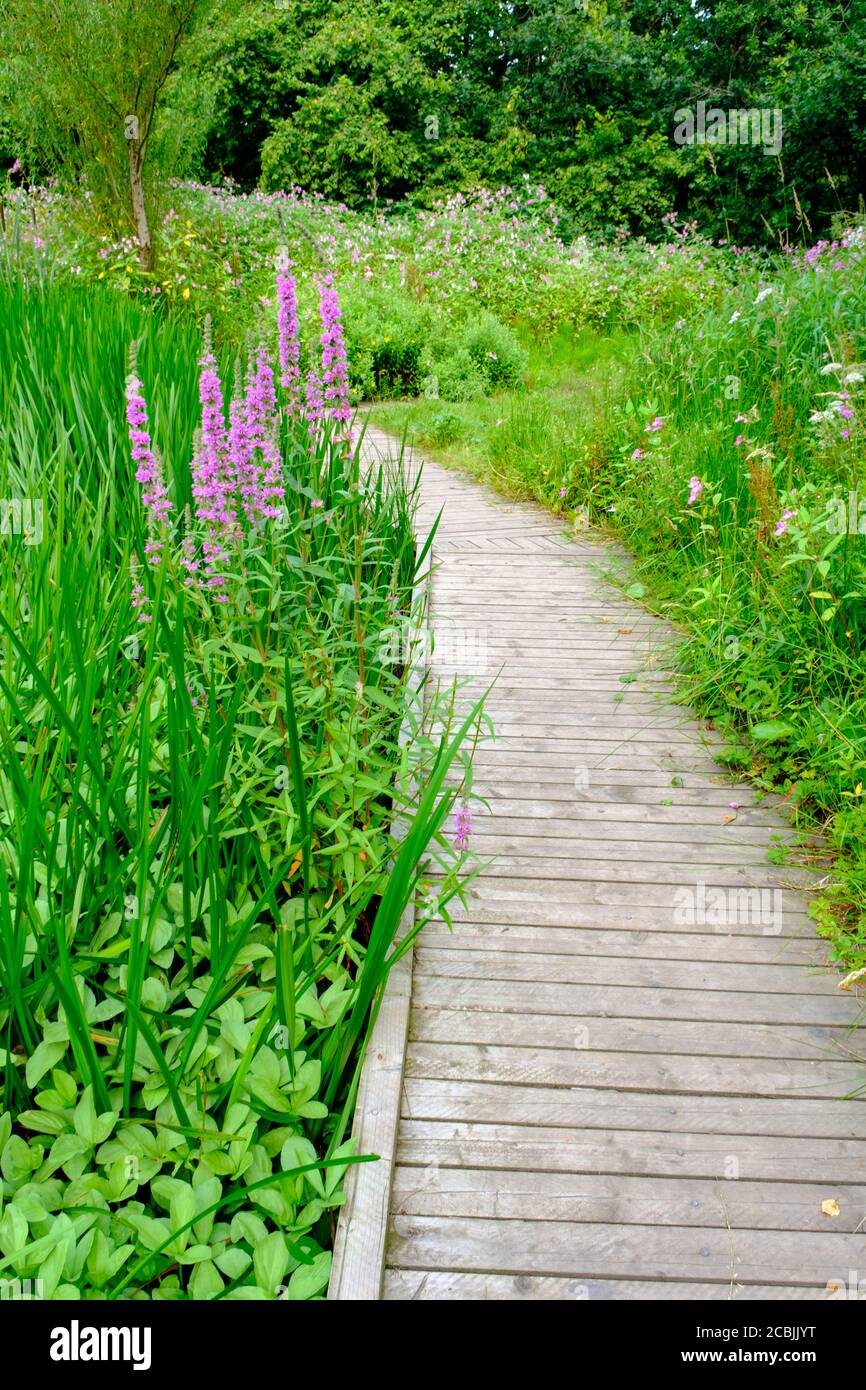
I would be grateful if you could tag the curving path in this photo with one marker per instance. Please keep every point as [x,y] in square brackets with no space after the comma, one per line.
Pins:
[625,1067]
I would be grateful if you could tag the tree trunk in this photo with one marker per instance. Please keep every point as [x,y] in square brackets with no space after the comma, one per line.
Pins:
[139,209]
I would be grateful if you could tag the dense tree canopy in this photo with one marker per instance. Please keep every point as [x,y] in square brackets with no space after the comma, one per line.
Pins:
[366,100]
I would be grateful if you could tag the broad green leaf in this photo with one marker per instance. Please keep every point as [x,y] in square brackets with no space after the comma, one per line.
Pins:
[308,1280]
[270,1262]
[43,1059]
[772,729]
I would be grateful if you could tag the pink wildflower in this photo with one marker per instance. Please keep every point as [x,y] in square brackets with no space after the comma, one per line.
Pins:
[140,600]
[264,487]
[313,407]
[290,349]
[213,485]
[335,372]
[462,827]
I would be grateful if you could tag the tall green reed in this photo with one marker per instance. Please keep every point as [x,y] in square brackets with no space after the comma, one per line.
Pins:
[200,890]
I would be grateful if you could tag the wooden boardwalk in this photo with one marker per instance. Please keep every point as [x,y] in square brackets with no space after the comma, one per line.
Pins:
[625,1068]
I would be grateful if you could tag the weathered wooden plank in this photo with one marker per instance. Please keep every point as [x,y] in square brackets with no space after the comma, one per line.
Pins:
[629,1001]
[534,893]
[359,1247]
[575,829]
[516,911]
[490,839]
[646,820]
[668,1038]
[778,977]
[639,944]
[652,798]
[603,730]
[565,873]
[582,1066]
[507,1195]
[410,1284]
[601,1251]
[587,1108]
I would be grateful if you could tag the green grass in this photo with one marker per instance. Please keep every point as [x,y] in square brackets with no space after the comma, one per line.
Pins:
[200,887]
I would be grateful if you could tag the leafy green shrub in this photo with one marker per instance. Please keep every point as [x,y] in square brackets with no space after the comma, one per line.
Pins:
[441,428]
[495,351]
[459,377]
[386,337]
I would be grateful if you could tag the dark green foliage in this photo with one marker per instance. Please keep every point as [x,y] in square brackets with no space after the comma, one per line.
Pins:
[367,102]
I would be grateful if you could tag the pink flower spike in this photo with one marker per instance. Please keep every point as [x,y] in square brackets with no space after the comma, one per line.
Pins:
[696,488]
[290,349]
[462,827]
[782,523]
[154,494]
[335,372]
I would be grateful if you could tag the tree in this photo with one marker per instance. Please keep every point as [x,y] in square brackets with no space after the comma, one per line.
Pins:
[86,77]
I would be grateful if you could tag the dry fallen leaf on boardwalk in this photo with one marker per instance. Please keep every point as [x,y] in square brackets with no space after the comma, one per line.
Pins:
[830,1207]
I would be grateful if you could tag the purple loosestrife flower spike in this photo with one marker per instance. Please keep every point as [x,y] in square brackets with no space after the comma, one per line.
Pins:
[313,408]
[213,551]
[264,489]
[188,558]
[696,487]
[238,441]
[213,486]
[462,827]
[335,371]
[148,471]
[243,432]
[290,348]
[140,600]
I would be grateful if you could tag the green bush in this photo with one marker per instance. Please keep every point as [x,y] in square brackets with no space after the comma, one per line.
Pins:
[495,351]
[458,378]
[386,338]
